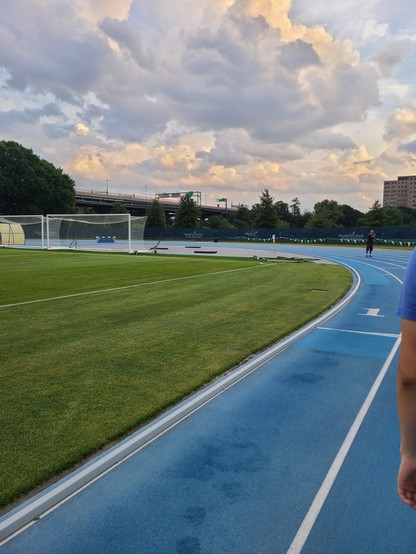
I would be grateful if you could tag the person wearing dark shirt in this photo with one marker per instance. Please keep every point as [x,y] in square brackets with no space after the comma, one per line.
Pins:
[370,244]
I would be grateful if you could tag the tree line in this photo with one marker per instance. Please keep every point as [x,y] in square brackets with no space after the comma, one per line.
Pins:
[31,185]
[271,214]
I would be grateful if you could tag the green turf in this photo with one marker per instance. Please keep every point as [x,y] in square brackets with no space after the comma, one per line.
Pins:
[93,345]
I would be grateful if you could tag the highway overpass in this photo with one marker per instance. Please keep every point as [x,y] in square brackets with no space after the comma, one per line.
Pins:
[102,202]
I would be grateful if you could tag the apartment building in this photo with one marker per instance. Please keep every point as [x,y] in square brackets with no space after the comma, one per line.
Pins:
[401,192]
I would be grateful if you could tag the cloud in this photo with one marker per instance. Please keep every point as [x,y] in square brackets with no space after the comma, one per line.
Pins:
[29,116]
[42,54]
[401,124]
[97,10]
[392,157]
[357,20]
[409,147]
[327,140]
[227,153]
[298,54]
[275,89]
[128,39]
[230,96]
[390,56]
[81,129]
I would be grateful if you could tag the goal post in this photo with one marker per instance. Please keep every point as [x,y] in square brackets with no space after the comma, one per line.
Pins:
[22,230]
[105,232]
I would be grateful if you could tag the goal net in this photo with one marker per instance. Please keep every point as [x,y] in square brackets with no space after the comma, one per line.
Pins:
[22,230]
[110,232]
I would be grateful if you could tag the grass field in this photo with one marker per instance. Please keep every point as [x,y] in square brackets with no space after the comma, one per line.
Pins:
[94,345]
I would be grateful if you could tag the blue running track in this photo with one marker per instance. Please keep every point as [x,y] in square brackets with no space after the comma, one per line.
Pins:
[300,455]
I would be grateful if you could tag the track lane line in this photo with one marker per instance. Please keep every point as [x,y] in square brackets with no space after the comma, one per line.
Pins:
[319,500]
[326,486]
[391,335]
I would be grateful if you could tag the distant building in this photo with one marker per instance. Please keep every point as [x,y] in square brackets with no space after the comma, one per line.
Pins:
[401,192]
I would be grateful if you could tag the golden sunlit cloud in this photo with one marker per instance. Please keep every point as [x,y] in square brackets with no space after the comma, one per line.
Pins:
[90,166]
[97,10]
[180,157]
[401,124]
[223,175]
[268,168]
[95,163]
[81,129]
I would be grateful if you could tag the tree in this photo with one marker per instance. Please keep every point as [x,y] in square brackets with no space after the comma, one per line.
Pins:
[378,216]
[296,218]
[242,218]
[218,222]
[409,217]
[155,215]
[306,217]
[325,214]
[265,215]
[282,211]
[119,208]
[31,185]
[393,217]
[349,216]
[374,217]
[188,214]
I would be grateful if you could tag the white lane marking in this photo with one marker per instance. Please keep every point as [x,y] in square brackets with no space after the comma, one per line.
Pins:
[372,312]
[375,267]
[137,285]
[398,264]
[319,500]
[391,335]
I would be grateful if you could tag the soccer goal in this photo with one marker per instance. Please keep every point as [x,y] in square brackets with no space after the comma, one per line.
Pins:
[110,232]
[22,230]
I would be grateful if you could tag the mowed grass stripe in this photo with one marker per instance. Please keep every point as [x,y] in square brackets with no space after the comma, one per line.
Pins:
[78,374]
[115,289]
[32,275]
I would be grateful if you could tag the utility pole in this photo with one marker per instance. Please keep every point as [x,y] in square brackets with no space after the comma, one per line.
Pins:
[107,187]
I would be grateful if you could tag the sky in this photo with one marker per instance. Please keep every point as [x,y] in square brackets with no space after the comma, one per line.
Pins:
[309,100]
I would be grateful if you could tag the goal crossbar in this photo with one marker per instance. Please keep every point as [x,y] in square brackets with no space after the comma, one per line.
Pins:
[110,232]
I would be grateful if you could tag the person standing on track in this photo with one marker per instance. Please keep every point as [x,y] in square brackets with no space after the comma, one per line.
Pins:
[370,244]
[406,386]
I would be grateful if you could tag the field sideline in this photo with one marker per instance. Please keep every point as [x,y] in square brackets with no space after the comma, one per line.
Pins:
[95,344]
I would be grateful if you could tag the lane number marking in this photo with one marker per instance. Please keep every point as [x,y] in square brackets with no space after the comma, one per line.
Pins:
[372,312]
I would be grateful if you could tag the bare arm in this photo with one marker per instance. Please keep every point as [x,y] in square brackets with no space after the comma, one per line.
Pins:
[406,395]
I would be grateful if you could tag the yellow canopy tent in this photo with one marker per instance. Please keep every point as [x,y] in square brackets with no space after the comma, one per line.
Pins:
[11,233]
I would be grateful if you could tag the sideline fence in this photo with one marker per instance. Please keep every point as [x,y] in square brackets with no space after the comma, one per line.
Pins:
[394,236]
[123,232]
